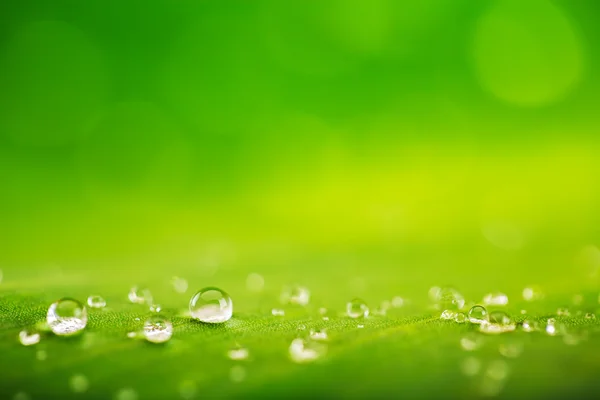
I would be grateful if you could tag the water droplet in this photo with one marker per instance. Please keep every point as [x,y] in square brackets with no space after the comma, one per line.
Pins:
[66,317]
[551,327]
[532,293]
[211,305]
[470,366]
[21,396]
[126,394]
[357,309]
[96,302]
[460,317]
[435,293]
[511,349]
[471,342]
[238,353]
[397,302]
[79,383]
[302,351]
[156,308]
[499,322]
[255,283]
[188,389]
[298,295]
[301,327]
[447,314]
[132,335]
[529,325]
[495,299]
[41,355]
[180,285]
[478,315]
[564,312]
[523,312]
[158,329]
[237,373]
[318,334]
[138,295]
[29,337]
[451,299]
[278,312]
[590,315]
[360,326]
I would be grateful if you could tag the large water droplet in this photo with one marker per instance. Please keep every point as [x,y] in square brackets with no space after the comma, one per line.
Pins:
[66,317]
[139,295]
[303,351]
[211,305]
[96,302]
[478,315]
[29,337]
[295,295]
[357,309]
[158,329]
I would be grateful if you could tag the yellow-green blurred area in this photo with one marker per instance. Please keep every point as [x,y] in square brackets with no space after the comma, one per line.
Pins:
[412,142]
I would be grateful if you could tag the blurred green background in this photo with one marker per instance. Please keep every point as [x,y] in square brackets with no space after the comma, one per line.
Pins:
[385,145]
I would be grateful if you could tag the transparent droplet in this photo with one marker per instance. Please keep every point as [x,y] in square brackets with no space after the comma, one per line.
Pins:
[318,334]
[460,317]
[303,351]
[529,325]
[471,342]
[140,295]
[79,383]
[188,389]
[298,295]
[211,305]
[478,315]
[523,312]
[499,322]
[495,299]
[323,311]
[590,315]
[238,353]
[237,374]
[301,327]
[563,312]
[552,328]
[447,314]
[96,302]
[41,355]
[126,394]
[158,329]
[29,337]
[435,293]
[180,285]
[470,366]
[531,293]
[66,317]
[156,308]
[511,348]
[278,312]
[21,396]
[357,309]
[451,299]
[397,302]
[255,283]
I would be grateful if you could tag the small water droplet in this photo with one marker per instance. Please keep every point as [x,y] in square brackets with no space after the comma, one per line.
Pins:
[158,329]
[495,299]
[357,309]
[41,355]
[590,315]
[360,326]
[460,317]
[478,315]
[318,334]
[132,335]
[66,317]
[137,319]
[303,351]
[298,295]
[523,312]
[552,328]
[188,389]
[301,327]
[278,312]
[255,283]
[451,299]
[180,285]
[470,366]
[397,302]
[447,314]
[126,394]
[155,308]
[471,342]
[529,325]
[211,305]
[238,353]
[95,301]
[237,374]
[29,337]
[532,293]
[79,383]
[140,295]
[564,312]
